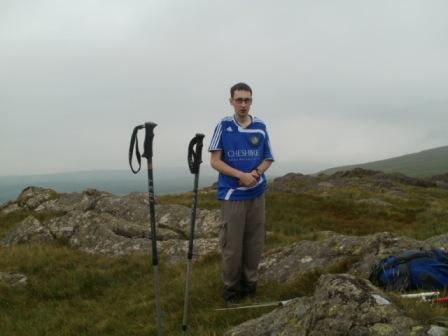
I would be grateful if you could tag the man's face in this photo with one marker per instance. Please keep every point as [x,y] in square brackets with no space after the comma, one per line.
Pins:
[241,102]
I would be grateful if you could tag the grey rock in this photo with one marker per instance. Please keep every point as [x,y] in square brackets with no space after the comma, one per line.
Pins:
[133,207]
[9,207]
[29,231]
[342,305]
[177,218]
[437,331]
[281,321]
[96,234]
[177,249]
[13,279]
[335,252]
[325,185]
[66,202]
[374,202]
[31,197]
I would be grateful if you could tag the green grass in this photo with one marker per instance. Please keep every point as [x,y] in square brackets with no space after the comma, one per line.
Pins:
[301,215]
[74,293]
[424,311]
[296,216]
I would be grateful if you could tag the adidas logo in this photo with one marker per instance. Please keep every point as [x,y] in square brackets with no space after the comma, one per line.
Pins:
[229,129]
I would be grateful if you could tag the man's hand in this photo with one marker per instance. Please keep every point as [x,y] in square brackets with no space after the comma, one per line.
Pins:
[247,180]
[255,174]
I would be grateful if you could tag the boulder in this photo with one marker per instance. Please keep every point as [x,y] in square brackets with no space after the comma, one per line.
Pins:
[31,197]
[28,231]
[342,305]
[13,279]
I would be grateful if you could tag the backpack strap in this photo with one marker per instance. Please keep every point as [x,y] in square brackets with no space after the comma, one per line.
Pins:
[413,255]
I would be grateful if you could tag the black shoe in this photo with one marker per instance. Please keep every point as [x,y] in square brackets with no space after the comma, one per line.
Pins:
[249,288]
[231,296]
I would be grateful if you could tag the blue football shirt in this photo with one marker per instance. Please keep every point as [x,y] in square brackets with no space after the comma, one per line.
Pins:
[243,149]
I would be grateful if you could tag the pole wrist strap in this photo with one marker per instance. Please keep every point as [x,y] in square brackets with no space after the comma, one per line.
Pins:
[134,146]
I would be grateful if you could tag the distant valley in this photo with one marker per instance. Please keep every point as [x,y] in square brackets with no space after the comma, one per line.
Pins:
[119,182]
[169,180]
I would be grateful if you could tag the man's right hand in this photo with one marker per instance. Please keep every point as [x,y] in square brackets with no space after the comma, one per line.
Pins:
[247,180]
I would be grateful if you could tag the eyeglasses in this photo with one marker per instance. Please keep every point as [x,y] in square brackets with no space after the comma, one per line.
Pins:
[243,100]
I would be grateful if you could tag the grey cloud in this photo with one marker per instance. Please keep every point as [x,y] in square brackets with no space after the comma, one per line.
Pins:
[83,73]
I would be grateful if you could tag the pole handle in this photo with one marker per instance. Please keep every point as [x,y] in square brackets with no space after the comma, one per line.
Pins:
[195,153]
[149,136]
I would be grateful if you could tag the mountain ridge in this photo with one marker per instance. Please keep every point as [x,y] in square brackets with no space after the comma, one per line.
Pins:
[426,163]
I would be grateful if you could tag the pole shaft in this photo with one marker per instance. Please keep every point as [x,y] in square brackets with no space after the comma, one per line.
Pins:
[187,297]
[152,216]
[158,305]
[190,254]
[155,260]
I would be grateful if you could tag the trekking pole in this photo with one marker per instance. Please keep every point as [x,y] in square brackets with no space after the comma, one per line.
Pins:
[147,153]
[424,296]
[262,305]
[428,296]
[194,161]
[440,299]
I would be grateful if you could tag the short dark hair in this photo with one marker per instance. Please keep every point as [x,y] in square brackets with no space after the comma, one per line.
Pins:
[240,87]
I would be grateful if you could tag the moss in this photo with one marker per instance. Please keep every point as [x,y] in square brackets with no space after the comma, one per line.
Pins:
[382,329]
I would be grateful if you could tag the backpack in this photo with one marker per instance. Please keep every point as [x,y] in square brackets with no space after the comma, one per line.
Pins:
[413,269]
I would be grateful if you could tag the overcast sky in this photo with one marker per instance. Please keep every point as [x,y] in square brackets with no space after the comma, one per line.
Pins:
[337,82]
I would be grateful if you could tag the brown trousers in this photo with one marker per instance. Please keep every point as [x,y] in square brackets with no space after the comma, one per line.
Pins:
[242,238]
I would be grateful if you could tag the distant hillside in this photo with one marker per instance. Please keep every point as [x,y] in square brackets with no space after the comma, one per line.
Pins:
[422,164]
[166,181]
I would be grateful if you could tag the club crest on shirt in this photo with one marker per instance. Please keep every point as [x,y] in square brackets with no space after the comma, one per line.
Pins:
[255,140]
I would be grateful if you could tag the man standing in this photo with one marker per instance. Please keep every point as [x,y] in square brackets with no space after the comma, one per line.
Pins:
[241,153]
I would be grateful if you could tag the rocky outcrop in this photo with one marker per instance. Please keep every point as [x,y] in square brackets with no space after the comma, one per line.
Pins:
[99,222]
[342,305]
[360,178]
[440,180]
[354,254]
